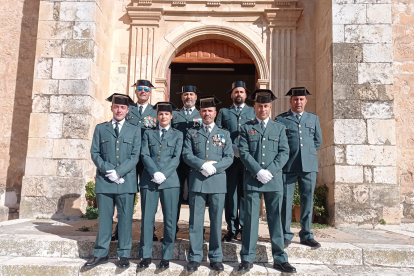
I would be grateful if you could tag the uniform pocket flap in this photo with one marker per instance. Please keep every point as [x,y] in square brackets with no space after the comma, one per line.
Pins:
[128,140]
[273,138]
[312,150]
[310,125]
[104,141]
[171,143]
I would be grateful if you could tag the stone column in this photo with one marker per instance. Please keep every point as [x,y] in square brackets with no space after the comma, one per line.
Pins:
[364,188]
[70,82]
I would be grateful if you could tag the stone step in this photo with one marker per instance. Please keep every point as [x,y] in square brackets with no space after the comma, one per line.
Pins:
[329,254]
[38,266]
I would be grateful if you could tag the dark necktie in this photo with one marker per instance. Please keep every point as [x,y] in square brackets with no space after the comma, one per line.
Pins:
[140,110]
[208,130]
[298,117]
[239,109]
[262,124]
[163,133]
[116,129]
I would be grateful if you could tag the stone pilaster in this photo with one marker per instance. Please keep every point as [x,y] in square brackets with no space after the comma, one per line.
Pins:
[363,153]
[70,82]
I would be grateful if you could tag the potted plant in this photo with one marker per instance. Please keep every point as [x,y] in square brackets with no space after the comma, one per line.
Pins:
[296,203]
[319,201]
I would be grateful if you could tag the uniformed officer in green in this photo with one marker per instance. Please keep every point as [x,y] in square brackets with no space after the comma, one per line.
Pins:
[160,153]
[183,120]
[305,138]
[264,150]
[115,151]
[232,118]
[208,151]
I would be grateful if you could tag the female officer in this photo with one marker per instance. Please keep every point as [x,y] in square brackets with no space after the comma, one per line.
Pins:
[160,153]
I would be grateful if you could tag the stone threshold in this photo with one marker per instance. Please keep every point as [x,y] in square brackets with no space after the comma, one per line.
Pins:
[33,266]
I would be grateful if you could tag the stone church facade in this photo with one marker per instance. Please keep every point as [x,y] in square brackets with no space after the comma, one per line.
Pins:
[61,58]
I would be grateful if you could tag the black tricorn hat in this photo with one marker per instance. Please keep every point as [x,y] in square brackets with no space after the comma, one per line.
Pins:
[143,83]
[165,106]
[117,98]
[262,96]
[189,88]
[208,101]
[238,84]
[298,91]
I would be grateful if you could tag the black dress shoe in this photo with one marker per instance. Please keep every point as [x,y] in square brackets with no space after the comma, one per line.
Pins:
[285,267]
[192,266]
[123,262]
[228,237]
[164,264]
[311,243]
[154,238]
[145,263]
[96,261]
[217,266]
[287,243]
[245,266]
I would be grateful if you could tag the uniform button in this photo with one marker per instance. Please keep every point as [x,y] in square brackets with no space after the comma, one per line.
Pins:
[158,162]
[103,141]
[239,118]
[275,139]
[117,149]
[300,131]
[299,125]
[239,124]
[187,128]
[117,142]
[264,146]
[262,163]
[207,156]
[300,138]
[159,151]
[160,146]
[263,154]
[301,145]
[238,136]
[275,174]
[239,130]
[187,122]
[251,139]
[117,165]
[246,169]
[264,139]
[139,121]
[117,157]
[208,142]
[207,148]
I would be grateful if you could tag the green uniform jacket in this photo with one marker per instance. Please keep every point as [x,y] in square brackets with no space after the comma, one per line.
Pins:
[134,118]
[197,149]
[268,150]
[305,138]
[116,153]
[181,123]
[228,119]
[161,156]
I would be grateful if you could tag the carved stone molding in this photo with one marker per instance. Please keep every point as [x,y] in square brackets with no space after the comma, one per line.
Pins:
[283,18]
[145,16]
[248,4]
[213,3]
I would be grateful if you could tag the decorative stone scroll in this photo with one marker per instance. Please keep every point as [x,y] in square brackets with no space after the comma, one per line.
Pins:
[213,4]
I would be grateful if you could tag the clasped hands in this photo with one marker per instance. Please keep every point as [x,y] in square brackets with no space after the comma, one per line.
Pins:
[208,169]
[114,177]
[264,176]
[158,178]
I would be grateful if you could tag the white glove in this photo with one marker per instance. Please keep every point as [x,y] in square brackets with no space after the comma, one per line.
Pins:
[205,173]
[236,151]
[159,177]
[209,168]
[112,175]
[264,176]
[120,181]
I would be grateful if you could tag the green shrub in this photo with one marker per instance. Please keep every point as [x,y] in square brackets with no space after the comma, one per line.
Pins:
[91,213]
[319,200]
[90,192]
[85,229]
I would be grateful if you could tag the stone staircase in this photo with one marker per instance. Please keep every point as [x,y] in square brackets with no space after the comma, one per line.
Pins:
[33,252]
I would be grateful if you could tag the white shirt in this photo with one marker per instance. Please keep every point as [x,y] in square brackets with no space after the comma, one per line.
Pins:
[143,107]
[210,125]
[242,106]
[294,113]
[161,128]
[265,121]
[191,109]
[120,124]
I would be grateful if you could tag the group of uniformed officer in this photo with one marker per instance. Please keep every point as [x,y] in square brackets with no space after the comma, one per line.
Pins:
[227,165]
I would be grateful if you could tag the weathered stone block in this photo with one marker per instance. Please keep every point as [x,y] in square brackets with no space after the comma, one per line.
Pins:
[64,188]
[377,110]
[31,207]
[346,73]
[71,148]
[373,1]
[377,52]
[40,166]
[42,86]
[84,30]
[70,104]
[32,184]
[78,48]
[77,126]
[347,53]
[49,48]
[70,168]
[64,68]
[371,155]
[26,247]
[40,104]
[350,131]
[55,30]
[46,10]
[84,87]
[338,33]
[379,73]
[349,174]
[43,68]
[381,132]
[384,196]
[41,267]
[392,215]
[368,178]
[72,207]
[385,175]
[77,11]
[347,109]
[368,33]
[48,125]
[339,154]
[388,255]
[349,14]
[40,147]
[379,13]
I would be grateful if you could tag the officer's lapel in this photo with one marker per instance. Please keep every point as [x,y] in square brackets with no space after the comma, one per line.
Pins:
[304,116]
[182,113]
[292,117]
[147,110]
[194,114]
[269,127]
[110,128]
[244,109]
[156,134]
[124,129]
[257,127]
[168,134]
[214,131]
[134,110]
[233,110]
[202,131]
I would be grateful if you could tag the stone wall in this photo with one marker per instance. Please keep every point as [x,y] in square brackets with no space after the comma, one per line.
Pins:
[17,55]
[403,47]
[71,79]
[366,189]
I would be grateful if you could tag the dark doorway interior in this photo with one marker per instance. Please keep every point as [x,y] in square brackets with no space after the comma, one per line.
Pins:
[210,79]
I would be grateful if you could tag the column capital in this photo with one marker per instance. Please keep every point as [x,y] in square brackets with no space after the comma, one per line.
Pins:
[282,17]
[145,16]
